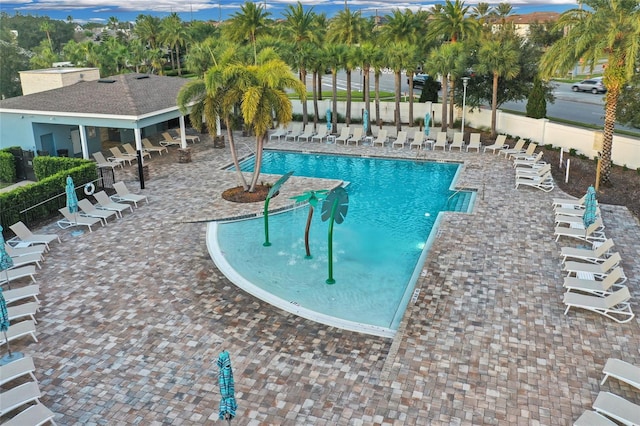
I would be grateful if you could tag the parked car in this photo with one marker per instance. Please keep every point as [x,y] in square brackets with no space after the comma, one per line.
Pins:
[593,85]
[420,78]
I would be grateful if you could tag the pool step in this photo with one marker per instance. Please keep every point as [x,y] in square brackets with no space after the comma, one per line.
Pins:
[460,202]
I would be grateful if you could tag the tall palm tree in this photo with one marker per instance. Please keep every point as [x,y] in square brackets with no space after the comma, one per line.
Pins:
[174,34]
[316,64]
[483,12]
[606,29]
[441,61]
[46,26]
[335,55]
[322,25]
[399,56]
[501,58]
[452,22]
[299,26]
[366,55]
[248,24]
[148,29]
[502,11]
[202,56]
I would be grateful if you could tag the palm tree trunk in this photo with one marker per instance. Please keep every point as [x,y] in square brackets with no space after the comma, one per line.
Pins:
[376,88]
[258,163]
[319,77]
[303,79]
[315,100]
[445,93]
[451,104]
[410,78]
[397,111]
[334,92]
[367,97]
[178,60]
[348,112]
[494,104]
[610,106]
[234,155]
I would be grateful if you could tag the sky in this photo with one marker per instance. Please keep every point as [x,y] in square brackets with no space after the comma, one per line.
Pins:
[99,11]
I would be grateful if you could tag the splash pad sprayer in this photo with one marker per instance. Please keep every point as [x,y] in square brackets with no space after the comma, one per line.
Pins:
[311,197]
[274,189]
[334,209]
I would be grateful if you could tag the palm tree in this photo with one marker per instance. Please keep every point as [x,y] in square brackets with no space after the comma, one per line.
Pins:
[148,29]
[46,26]
[201,56]
[248,24]
[300,27]
[335,55]
[502,59]
[441,61]
[502,11]
[482,12]
[311,197]
[174,34]
[452,22]
[609,30]
[399,56]
[366,56]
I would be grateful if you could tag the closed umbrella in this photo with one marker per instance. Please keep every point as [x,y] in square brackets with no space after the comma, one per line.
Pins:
[228,405]
[365,122]
[427,123]
[328,119]
[72,201]
[5,260]
[4,327]
[590,204]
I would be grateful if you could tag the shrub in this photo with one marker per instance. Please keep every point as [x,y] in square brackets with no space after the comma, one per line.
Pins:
[536,103]
[573,152]
[7,167]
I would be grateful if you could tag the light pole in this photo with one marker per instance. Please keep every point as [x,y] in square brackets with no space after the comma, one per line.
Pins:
[465,82]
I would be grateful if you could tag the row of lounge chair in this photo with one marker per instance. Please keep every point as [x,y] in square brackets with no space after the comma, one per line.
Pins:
[19,400]
[106,207]
[530,169]
[119,158]
[610,409]
[595,280]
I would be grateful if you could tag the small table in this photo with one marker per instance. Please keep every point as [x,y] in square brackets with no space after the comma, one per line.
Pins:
[368,140]
[331,139]
[429,143]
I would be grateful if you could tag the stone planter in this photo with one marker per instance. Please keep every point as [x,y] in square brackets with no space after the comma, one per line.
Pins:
[184,155]
[218,141]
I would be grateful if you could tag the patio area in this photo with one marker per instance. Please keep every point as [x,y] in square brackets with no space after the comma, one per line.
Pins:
[134,315]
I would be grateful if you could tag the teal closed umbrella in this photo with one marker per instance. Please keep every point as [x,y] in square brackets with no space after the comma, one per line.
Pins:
[72,202]
[4,327]
[590,204]
[328,119]
[365,122]
[427,124]
[5,260]
[228,405]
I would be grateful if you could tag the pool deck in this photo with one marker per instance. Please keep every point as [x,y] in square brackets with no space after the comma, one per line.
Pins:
[135,314]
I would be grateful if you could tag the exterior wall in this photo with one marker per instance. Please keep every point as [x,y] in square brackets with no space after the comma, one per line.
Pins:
[626,150]
[53,78]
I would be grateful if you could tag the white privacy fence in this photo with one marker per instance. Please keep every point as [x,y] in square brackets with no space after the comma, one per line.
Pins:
[626,149]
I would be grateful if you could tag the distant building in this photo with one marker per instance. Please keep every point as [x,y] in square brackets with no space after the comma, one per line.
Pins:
[522,23]
[35,81]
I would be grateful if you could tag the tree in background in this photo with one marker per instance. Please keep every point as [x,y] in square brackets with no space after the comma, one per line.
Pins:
[14,60]
[536,103]
[628,111]
[247,25]
[603,29]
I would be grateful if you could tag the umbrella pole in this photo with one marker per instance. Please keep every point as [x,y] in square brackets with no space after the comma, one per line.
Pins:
[8,346]
[6,273]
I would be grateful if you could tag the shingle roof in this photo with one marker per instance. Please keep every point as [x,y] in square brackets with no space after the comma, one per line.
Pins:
[124,94]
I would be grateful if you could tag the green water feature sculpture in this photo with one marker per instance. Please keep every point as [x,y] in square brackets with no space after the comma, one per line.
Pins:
[274,189]
[311,197]
[334,209]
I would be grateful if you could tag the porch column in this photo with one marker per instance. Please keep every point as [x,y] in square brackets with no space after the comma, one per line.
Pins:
[138,137]
[183,134]
[83,141]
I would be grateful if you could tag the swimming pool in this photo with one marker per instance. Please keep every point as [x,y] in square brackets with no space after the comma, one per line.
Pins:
[378,250]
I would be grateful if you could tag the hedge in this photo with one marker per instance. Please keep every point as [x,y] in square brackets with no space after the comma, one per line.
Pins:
[8,165]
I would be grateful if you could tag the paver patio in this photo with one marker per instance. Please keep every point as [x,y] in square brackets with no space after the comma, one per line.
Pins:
[135,314]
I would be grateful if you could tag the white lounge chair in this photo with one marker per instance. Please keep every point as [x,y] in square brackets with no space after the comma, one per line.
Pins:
[569,202]
[149,147]
[102,162]
[36,414]
[104,202]
[528,154]
[25,236]
[40,249]
[308,133]
[458,141]
[17,330]
[129,149]
[594,232]
[381,139]
[13,274]
[89,210]
[623,371]
[320,135]
[418,141]
[533,172]
[544,182]
[75,219]
[595,255]
[598,270]
[572,220]
[356,137]
[591,418]
[617,408]
[188,138]
[441,141]
[22,293]
[529,162]
[400,140]
[614,306]
[570,211]
[169,140]
[278,133]
[498,145]
[474,142]
[23,310]
[17,397]
[600,287]
[119,155]
[296,130]
[517,149]
[123,194]
[28,259]
[345,134]
[18,368]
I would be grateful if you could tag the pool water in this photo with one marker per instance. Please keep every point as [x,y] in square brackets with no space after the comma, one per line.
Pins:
[378,250]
